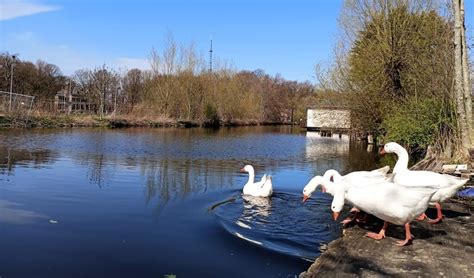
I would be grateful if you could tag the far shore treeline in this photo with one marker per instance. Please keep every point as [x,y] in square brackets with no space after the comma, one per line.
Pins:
[179,87]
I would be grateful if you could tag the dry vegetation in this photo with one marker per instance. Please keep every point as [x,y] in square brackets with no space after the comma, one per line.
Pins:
[179,87]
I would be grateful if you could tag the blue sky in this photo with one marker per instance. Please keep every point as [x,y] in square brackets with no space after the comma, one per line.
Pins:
[286,37]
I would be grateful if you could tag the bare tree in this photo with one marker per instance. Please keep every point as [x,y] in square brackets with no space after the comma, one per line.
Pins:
[102,87]
[132,85]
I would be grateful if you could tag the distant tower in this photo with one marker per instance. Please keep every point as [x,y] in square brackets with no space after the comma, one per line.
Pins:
[210,57]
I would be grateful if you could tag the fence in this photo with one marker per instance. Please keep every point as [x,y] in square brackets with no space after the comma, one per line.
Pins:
[16,105]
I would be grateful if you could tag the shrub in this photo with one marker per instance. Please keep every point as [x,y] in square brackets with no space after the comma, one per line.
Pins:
[417,123]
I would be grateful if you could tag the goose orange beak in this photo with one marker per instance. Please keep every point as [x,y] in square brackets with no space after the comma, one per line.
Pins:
[305,198]
[242,170]
[382,152]
[335,215]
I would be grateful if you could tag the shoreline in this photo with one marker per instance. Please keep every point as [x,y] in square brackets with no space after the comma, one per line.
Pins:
[444,249]
[63,121]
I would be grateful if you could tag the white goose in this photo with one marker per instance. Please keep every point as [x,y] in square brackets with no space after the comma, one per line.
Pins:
[357,178]
[388,201]
[263,188]
[447,185]
[313,185]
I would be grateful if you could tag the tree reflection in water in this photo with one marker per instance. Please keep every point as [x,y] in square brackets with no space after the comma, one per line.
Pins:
[10,158]
[345,154]
[175,163]
[107,189]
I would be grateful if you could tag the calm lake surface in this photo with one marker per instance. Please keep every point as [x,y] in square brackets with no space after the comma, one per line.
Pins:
[152,202]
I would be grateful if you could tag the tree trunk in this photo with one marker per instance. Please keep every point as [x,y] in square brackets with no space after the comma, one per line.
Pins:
[433,161]
[463,132]
[465,71]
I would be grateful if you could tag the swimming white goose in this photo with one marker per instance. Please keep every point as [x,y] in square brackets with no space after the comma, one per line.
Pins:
[388,201]
[447,185]
[263,188]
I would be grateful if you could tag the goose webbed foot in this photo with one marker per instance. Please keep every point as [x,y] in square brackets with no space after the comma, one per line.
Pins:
[405,242]
[380,235]
[376,236]
[361,218]
[408,237]
[421,217]
[348,220]
[435,221]
[354,216]
[355,210]
[439,215]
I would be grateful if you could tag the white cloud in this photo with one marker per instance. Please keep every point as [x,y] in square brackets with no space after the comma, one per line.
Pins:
[9,213]
[133,63]
[31,47]
[11,9]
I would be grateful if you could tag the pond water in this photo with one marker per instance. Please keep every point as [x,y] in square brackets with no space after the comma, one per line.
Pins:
[154,202]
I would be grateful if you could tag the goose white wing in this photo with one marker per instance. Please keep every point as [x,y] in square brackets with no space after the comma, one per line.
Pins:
[378,172]
[392,202]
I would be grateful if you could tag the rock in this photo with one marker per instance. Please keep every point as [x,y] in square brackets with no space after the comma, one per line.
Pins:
[442,249]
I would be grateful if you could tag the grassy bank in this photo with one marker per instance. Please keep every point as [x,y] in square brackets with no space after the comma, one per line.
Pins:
[60,121]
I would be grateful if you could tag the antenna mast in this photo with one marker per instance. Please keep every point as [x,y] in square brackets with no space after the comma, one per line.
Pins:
[210,57]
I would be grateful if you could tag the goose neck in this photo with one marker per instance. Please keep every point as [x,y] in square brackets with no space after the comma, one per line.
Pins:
[402,161]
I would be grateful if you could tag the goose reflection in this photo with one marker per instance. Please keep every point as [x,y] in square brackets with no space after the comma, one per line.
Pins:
[256,210]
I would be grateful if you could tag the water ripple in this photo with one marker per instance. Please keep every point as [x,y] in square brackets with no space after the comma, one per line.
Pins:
[281,223]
